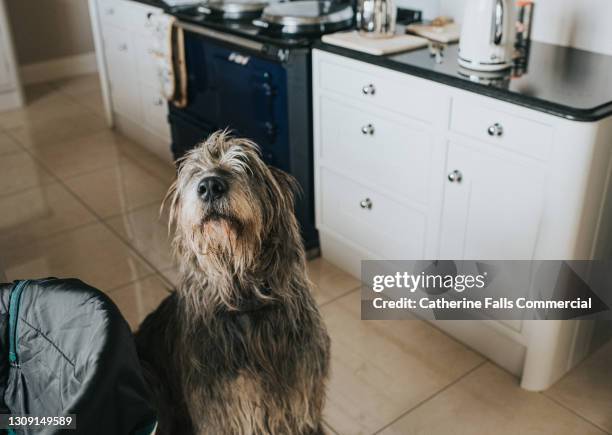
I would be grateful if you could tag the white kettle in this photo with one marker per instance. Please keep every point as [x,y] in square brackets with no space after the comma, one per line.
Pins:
[487,38]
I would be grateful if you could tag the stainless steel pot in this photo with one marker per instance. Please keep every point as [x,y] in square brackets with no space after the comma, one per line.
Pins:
[376,18]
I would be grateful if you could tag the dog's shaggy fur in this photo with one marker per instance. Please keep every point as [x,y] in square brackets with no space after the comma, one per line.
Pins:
[240,347]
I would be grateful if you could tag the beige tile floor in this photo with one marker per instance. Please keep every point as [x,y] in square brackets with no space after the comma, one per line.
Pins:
[77,199]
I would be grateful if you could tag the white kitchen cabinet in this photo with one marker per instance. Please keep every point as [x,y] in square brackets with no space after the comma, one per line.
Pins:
[127,65]
[449,174]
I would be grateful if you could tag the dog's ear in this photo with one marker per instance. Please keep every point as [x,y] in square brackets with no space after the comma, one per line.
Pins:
[288,185]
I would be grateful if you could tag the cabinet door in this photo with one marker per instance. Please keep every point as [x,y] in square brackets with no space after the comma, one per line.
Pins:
[121,62]
[493,204]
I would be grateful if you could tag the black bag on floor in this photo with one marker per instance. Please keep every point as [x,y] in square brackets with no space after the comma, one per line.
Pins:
[66,349]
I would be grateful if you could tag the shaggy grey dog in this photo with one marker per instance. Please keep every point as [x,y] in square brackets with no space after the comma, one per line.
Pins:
[240,347]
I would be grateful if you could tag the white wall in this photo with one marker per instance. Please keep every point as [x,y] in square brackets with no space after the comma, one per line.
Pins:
[585,24]
[430,8]
[53,38]
[10,87]
[44,30]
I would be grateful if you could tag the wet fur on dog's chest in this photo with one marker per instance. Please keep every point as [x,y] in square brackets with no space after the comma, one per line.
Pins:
[234,342]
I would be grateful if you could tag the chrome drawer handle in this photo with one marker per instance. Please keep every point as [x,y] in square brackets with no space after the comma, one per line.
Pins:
[366,204]
[368,89]
[496,130]
[368,129]
[455,177]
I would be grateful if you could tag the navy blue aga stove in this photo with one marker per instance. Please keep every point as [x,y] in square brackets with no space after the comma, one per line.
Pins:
[254,77]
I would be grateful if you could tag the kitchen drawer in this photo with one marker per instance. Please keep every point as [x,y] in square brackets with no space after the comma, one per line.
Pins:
[386,228]
[385,151]
[483,122]
[155,111]
[493,204]
[375,86]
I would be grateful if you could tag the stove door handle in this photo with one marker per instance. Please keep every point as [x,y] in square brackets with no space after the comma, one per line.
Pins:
[221,36]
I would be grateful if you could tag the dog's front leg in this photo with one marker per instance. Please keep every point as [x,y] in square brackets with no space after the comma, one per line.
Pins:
[154,343]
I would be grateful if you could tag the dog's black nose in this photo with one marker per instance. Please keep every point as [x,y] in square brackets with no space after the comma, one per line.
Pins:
[212,188]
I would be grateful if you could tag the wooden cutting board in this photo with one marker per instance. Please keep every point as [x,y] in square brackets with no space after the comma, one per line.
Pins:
[375,46]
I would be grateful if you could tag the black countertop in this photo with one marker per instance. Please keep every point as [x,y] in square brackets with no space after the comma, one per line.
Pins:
[562,81]
[567,82]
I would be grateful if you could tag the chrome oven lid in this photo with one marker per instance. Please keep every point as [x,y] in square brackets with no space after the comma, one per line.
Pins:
[305,16]
[233,9]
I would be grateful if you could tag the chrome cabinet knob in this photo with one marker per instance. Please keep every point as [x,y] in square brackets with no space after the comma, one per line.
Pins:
[366,204]
[158,102]
[496,130]
[368,129]
[368,89]
[123,47]
[110,11]
[455,177]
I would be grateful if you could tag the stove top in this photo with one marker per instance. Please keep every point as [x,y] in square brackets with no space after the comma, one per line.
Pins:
[245,28]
